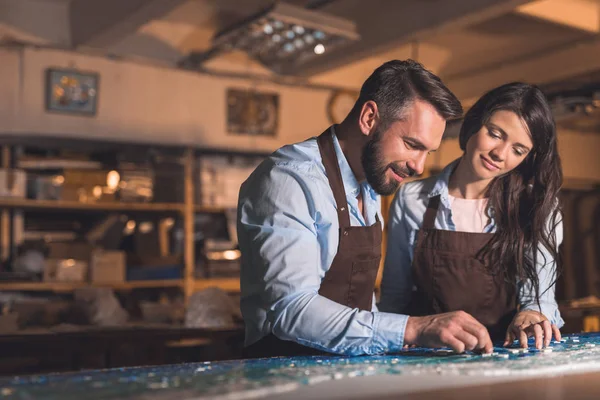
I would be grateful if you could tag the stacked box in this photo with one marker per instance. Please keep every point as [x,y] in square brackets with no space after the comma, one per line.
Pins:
[107,266]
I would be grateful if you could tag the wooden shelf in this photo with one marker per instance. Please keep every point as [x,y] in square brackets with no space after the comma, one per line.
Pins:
[227,284]
[187,210]
[70,286]
[29,204]
[208,209]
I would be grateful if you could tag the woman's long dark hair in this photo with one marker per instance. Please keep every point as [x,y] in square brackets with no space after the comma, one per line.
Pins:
[523,202]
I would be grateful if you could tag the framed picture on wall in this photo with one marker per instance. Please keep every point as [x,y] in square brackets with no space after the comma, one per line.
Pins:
[71,91]
[252,113]
[340,104]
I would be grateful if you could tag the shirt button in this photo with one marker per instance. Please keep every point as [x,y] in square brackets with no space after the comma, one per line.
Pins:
[345,232]
[342,208]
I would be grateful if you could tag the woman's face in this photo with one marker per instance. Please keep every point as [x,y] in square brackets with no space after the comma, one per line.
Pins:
[499,146]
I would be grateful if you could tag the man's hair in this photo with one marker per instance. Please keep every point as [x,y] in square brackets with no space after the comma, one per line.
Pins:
[395,85]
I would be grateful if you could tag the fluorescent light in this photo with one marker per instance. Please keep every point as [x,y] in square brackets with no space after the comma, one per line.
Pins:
[268,29]
[283,37]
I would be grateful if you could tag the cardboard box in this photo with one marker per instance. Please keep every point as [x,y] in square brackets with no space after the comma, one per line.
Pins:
[107,266]
[86,186]
[65,270]
[87,178]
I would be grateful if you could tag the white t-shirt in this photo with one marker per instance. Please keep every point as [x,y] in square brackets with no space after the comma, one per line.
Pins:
[468,214]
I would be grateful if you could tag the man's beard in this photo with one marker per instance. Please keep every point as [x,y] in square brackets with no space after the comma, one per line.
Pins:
[375,167]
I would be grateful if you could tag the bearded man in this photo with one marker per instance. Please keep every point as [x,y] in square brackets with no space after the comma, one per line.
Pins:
[310,228]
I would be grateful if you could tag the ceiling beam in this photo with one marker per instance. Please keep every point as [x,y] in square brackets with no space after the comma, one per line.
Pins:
[578,14]
[399,22]
[38,22]
[102,23]
[543,67]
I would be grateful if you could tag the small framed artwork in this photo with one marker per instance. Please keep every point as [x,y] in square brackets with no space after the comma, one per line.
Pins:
[340,104]
[71,91]
[252,113]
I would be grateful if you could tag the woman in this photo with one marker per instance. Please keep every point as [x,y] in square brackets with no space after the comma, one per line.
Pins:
[483,235]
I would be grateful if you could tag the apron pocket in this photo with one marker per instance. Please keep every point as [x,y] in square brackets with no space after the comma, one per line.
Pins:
[367,265]
[362,282]
[462,284]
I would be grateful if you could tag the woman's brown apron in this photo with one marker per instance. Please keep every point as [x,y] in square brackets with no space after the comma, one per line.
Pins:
[449,276]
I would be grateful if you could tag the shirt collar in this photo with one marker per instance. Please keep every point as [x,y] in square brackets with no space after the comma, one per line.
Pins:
[351,185]
[441,184]
[441,188]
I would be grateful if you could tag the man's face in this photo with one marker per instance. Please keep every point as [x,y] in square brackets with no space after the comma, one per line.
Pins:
[400,150]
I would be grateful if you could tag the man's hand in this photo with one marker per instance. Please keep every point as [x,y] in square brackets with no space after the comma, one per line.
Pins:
[457,330]
[529,323]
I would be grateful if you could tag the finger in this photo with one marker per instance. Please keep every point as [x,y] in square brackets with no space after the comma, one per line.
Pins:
[515,335]
[523,339]
[530,330]
[484,342]
[469,341]
[547,332]
[556,331]
[538,332]
[525,324]
[456,345]
[509,338]
[488,346]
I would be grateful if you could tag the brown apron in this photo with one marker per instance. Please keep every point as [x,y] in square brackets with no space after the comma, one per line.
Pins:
[449,276]
[350,279]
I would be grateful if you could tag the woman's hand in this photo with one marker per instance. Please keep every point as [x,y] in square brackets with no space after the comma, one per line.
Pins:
[530,323]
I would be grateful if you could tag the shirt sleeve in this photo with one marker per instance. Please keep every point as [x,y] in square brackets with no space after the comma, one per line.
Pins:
[546,269]
[279,237]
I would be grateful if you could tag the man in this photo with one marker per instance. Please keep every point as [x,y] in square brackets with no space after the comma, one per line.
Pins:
[309,226]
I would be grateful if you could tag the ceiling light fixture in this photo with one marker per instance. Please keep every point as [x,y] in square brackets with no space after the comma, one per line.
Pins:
[280,37]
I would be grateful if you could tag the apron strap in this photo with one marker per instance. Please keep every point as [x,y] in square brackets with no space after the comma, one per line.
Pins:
[431,212]
[332,169]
